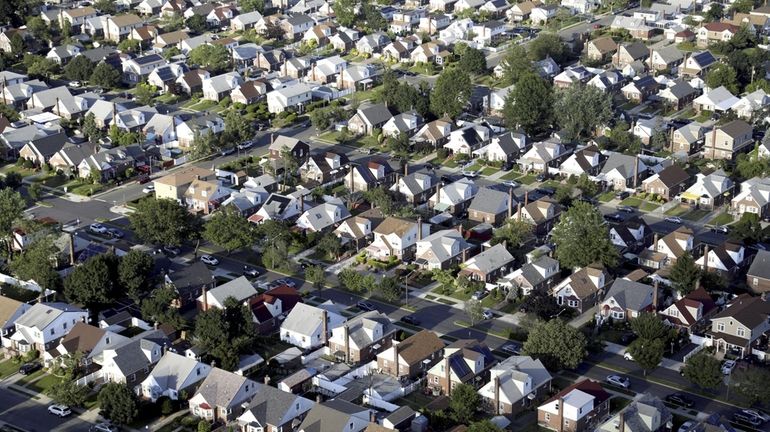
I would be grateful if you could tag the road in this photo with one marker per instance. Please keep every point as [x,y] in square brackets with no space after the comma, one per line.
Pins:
[26,413]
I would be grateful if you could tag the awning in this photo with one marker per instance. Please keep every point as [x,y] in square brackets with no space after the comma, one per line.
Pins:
[690,196]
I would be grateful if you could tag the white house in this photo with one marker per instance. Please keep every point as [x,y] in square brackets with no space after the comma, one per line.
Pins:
[218,87]
[288,97]
[42,325]
[309,326]
[173,374]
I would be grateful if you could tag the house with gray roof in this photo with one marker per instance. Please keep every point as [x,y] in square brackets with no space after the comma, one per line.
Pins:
[43,325]
[221,396]
[240,289]
[46,99]
[274,409]
[758,274]
[488,265]
[190,283]
[537,274]
[130,362]
[336,415]
[623,171]
[41,149]
[18,94]
[368,118]
[504,148]
[442,249]
[362,337]
[415,187]
[173,374]
[627,299]
[514,384]
[678,95]
[323,217]
[453,197]
[12,139]
[309,326]
[218,87]
[491,206]
[645,414]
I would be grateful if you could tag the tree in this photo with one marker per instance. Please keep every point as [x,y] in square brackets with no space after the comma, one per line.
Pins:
[372,16]
[464,402]
[9,113]
[90,129]
[648,326]
[330,246]
[117,403]
[94,282]
[134,271]
[156,308]
[229,230]
[541,304]
[389,288]
[582,238]
[451,93]
[290,165]
[547,45]
[38,28]
[380,198]
[516,64]
[202,145]
[445,279]
[647,353]
[748,229]
[580,109]
[252,5]
[145,93]
[67,392]
[586,185]
[36,263]
[472,61]
[204,426]
[213,57]
[703,370]
[758,84]
[483,426]
[79,69]
[17,44]
[715,13]
[276,254]
[751,383]
[751,165]
[163,222]
[225,333]
[12,206]
[196,24]
[130,45]
[684,274]
[345,12]
[723,75]
[475,311]
[40,66]
[316,275]
[529,105]
[34,191]
[556,344]
[237,127]
[514,232]
[105,6]
[105,76]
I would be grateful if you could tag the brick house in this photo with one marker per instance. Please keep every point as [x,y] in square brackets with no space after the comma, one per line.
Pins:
[412,356]
[726,141]
[668,183]
[361,338]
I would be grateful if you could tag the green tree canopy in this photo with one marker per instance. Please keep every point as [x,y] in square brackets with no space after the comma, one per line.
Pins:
[36,262]
[156,308]
[212,57]
[11,208]
[647,353]
[723,75]
[529,105]
[516,64]
[483,426]
[451,93]
[117,403]
[464,402]
[130,45]
[105,76]
[581,109]
[548,44]
[252,5]
[472,61]
[752,384]
[541,304]
[684,274]
[145,93]
[163,222]
[514,232]
[79,69]
[556,344]
[229,230]
[93,283]
[225,333]
[703,370]
[196,24]
[67,392]
[582,238]
[134,272]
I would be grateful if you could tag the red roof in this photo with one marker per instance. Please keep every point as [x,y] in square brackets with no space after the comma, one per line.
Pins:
[588,386]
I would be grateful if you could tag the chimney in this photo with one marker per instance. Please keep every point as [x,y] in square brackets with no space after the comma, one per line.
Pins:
[372,417]
[561,414]
[267,379]
[636,171]
[510,202]
[655,242]
[346,335]
[655,295]
[302,203]
[448,376]
[438,193]
[395,359]
[325,326]
[526,198]
[465,254]
[352,184]
[58,109]
[72,248]
[419,228]
[706,259]
[205,294]
[497,396]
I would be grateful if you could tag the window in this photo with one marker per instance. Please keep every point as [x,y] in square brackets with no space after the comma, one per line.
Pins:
[435,379]
[566,423]
[721,327]
[741,332]
[547,416]
[756,281]
[51,331]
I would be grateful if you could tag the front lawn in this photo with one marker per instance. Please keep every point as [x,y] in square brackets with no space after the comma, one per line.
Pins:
[26,379]
[488,171]
[13,168]
[450,163]
[722,219]
[8,368]
[632,202]
[648,206]
[371,94]
[78,187]
[703,116]
[527,179]
[606,197]
[513,175]
[202,105]
[54,181]
[696,215]
[43,384]
[677,211]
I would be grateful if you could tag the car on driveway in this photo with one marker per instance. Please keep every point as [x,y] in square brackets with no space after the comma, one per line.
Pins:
[614,217]
[250,271]
[679,399]
[227,151]
[721,229]
[479,295]
[209,260]
[408,319]
[148,189]
[488,314]
[511,348]
[673,219]
[470,173]
[621,195]
[627,355]
[245,145]
[542,177]
[28,368]
[619,381]
[365,306]
[142,179]
[171,250]
[728,366]
[59,410]
[97,228]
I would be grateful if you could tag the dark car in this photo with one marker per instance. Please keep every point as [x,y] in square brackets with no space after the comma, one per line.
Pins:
[679,399]
[142,179]
[250,271]
[408,319]
[748,419]
[613,217]
[303,263]
[28,368]
[626,209]
[627,338]
[511,348]
[446,179]
[542,177]
[115,233]
[545,191]
[171,250]
[507,166]
[621,195]
[365,306]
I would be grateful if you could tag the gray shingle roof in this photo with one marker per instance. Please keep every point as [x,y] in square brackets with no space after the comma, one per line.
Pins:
[490,201]
[630,295]
[271,406]
[760,267]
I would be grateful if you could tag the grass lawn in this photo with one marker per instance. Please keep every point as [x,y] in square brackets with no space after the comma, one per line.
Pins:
[703,116]
[167,98]
[26,379]
[488,171]
[85,189]
[43,384]
[722,219]
[513,175]
[527,179]
[202,105]
[473,167]
[416,400]
[552,184]
[330,136]
[488,301]
[632,202]
[54,181]
[366,95]
[189,103]
[8,368]
[677,211]
[369,141]
[696,215]
[606,197]
[450,163]
[648,206]
[11,168]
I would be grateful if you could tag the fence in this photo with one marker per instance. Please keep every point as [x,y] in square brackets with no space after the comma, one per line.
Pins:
[698,340]
[89,378]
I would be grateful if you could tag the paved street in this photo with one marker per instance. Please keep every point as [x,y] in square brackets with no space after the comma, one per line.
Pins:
[24,412]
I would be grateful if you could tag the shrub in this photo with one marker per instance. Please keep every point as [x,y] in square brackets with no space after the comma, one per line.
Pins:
[166,407]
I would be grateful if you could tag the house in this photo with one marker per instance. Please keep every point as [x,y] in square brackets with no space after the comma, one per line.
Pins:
[668,183]
[465,361]
[715,32]
[718,99]
[435,133]
[404,123]
[295,26]
[491,206]
[172,375]
[395,237]
[453,197]
[728,140]
[415,187]
[666,58]
[76,17]
[173,186]
[222,395]
[751,103]
[326,69]
[470,137]
[411,357]
[10,311]
[336,415]
[273,409]
[687,139]
[630,52]
[441,250]
[488,265]
[309,326]
[583,289]
[640,89]
[709,191]
[623,171]
[64,53]
[521,11]
[542,155]
[268,309]
[601,49]
[240,289]
[374,173]
[358,76]
[627,299]
[542,214]
[282,143]
[577,408]
[245,21]
[204,195]
[758,273]
[368,118]
[630,235]
[541,14]
[725,259]
[698,63]
[40,150]
[43,325]
[130,361]
[85,340]
[539,274]
[691,311]
[737,326]
[586,161]
[645,414]
[580,6]
[504,148]
[323,217]
[372,43]
[218,87]
[679,95]
[319,34]
[118,27]
[323,168]
[277,207]
[139,68]
[362,337]
[515,384]
[357,229]
[667,250]
[190,283]
[290,97]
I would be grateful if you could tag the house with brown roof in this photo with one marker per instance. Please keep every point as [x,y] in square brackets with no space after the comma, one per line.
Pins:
[667,250]
[601,49]
[542,214]
[725,259]
[578,408]
[668,183]
[249,92]
[736,327]
[87,340]
[396,237]
[267,308]
[521,11]
[174,186]
[435,133]
[691,311]
[465,361]
[583,289]
[10,310]
[192,81]
[630,235]
[715,32]
[411,357]
[728,140]
[119,27]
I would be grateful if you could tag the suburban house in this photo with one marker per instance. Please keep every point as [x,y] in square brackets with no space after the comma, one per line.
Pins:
[119,27]
[623,171]
[415,187]
[465,361]
[538,274]
[577,408]
[189,283]
[698,63]
[273,409]
[395,237]
[542,155]
[640,89]
[586,161]
[687,139]
[668,183]
[491,206]
[709,191]
[542,214]
[691,311]
[754,197]
[441,250]
[130,361]
[86,340]
[628,53]
[268,309]
[489,264]
[467,139]
[630,235]
[583,289]
[667,250]
[368,118]
[172,375]
[40,150]
[521,11]
[239,289]
[43,325]
[737,326]
[600,49]
[679,95]
[453,197]
[644,414]
[411,357]
[627,299]
[362,337]
[728,140]
[504,148]
[289,97]
[515,384]
[719,99]
[336,415]
[222,395]
[10,311]
[277,207]
[758,274]
[323,217]
[309,326]
[173,186]
[715,32]
[725,259]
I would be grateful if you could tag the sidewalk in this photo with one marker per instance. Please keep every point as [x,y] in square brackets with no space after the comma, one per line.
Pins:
[620,350]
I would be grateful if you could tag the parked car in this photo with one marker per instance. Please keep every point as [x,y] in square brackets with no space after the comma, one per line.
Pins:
[250,271]
[75,84]
[446,179]
[28,368]
[470,174]
[103,427]
[488,314]
[59,410]
[687,426]
[365,306]
[478,295]
[674,219]
[209,260]
[619,381]
[545,191]
[511,184]
[614,217]
[245,145]
[142,179]
[115,233]
[720,229]
[728,366]
[542,177]
[285,281]
[97,228]
[679,399]
[171,250]
[511,348]
[408,319]
[761,415]
[627,355]
[148,189]
[627,338]
[622,195]
[626,209]
[741,417]
[227,151]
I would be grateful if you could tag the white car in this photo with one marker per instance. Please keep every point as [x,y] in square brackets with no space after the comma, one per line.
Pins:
[59,410]
[686,426]
[674,219]
[97,228]
[488,314]
[619,381]
[758,414]
[148,189]
[103,427]
[75,84]
[728,366]
[210,260]
[510,183]
[627,355]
